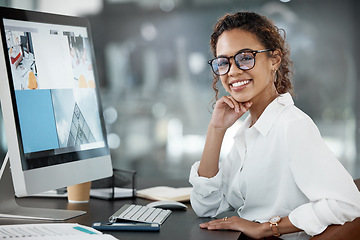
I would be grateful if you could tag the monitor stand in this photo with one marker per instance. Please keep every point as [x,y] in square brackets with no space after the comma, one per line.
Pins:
[10,209]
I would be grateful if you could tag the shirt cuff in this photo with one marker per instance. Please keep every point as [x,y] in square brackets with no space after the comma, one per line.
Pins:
[304,217]
[202,185]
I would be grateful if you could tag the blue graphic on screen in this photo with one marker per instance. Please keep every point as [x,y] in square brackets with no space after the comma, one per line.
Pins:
[37,121]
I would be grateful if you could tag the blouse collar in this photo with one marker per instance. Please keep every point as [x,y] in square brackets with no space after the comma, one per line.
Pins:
[268,118]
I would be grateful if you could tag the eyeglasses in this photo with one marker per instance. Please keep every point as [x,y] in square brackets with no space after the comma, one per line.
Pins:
[244,60]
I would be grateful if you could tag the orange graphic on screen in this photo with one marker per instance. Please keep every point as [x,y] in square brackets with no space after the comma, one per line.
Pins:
[32,81]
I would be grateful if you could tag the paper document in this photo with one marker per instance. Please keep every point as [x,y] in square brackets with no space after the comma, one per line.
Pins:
[51,231]
[164,193]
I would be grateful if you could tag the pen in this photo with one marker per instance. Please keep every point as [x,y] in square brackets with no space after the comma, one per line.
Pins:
[127,226]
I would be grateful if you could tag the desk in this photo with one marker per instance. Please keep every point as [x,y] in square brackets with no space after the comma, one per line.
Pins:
[182,225]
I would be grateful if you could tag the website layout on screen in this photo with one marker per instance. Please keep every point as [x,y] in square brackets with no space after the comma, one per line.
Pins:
[53,78]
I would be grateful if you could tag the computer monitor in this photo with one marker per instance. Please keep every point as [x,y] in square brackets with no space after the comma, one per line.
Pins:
[51,107]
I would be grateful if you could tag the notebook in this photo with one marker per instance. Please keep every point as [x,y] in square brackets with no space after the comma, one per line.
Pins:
[165,193]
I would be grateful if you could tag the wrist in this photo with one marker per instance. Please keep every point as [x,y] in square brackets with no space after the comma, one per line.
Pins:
[274,225]
[284,227]
[265,230]
[216,130]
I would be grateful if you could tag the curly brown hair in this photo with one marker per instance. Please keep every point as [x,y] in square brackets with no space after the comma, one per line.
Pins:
[267,34]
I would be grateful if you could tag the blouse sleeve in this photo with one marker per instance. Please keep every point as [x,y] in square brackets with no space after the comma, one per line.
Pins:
[208,195]
[333,196]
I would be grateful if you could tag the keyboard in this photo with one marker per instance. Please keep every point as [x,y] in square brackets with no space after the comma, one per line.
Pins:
[139,213]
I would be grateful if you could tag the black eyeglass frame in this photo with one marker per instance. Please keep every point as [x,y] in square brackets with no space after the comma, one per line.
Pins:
[254,52]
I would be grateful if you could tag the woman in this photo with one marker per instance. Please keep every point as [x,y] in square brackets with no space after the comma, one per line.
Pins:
[279,167]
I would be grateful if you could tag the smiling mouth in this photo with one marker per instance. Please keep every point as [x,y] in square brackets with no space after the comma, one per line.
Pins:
[240,83]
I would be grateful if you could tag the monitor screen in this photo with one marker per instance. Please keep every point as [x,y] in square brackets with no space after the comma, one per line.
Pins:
[54,86]
[50,101]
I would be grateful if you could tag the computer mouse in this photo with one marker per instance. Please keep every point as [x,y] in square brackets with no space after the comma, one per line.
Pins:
[172,205]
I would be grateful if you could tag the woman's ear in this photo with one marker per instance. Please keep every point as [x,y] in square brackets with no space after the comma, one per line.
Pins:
[276,59]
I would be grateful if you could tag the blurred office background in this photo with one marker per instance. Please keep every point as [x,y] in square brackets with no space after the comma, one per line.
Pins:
[156,84]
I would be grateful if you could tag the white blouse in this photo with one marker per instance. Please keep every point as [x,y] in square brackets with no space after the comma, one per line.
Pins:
[279,166]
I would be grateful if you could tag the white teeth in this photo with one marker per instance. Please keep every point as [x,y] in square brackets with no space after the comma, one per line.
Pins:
[238,84]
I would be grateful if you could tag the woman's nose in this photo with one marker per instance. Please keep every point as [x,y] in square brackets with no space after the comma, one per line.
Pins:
[234,68]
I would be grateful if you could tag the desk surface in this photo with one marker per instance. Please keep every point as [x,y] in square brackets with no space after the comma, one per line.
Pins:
[179,225]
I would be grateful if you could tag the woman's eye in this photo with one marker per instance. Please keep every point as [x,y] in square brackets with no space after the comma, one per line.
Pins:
[246,57]
[222,62]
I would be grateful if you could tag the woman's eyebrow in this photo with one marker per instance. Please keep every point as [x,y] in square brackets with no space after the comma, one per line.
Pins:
[220,56]
[244,50]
